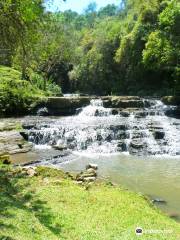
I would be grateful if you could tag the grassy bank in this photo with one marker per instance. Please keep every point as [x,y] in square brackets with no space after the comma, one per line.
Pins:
[50,206]
[17,96]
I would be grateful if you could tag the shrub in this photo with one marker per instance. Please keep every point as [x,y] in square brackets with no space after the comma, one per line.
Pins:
[16,95]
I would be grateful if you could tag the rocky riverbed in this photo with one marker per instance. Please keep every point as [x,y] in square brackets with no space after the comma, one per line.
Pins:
[132,140]
[129,129]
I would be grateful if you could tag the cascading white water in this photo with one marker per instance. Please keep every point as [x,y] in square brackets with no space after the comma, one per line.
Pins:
[95,109]
[96,130]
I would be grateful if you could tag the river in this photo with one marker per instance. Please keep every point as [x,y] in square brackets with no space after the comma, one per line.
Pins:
[138,149]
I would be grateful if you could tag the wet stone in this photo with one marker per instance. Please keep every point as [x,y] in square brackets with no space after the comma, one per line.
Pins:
[137,144]
[159,201]
[141,114]
[122,147]
[159,134]
[114,112]
[124,114]
[92,165]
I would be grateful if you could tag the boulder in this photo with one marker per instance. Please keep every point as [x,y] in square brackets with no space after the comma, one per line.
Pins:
[114,112]
[147,103]
[5,158]
[109,138]
[25,135]
[92,165]
[66,106]
[171,100]
[122,146]
[158,134]
[107,103]
[97,113]
[91,171]
[84,175]
[137,144]
[89,175]
[31,172]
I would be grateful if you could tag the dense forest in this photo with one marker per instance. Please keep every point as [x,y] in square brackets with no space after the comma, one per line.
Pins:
[130,49]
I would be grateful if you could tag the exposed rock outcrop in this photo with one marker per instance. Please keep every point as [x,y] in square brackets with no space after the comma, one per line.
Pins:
[171,100]
[12,142]
[68,106]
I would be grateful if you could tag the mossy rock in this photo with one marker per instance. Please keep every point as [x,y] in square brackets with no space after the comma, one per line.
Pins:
[5,159]
[171,100]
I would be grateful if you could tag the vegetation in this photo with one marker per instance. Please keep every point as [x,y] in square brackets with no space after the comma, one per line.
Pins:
[16,95]
[51,206]
[132,49]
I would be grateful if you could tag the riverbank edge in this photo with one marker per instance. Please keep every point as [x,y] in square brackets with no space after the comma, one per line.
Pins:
[60,192]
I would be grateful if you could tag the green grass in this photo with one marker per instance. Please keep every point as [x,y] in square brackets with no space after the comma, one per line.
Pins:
[50,206]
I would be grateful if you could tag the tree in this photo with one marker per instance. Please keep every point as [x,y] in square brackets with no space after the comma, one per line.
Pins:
[162,52]
[18,22]
[108,11]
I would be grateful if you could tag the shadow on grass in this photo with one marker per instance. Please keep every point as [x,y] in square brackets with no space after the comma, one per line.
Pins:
[14,195]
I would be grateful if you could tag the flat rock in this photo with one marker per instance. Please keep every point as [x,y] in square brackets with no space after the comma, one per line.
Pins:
[12,142]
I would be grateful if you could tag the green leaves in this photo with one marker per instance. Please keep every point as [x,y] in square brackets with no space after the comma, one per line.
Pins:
[158,51]
[169,19]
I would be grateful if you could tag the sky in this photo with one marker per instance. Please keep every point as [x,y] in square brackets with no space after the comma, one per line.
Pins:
[78,5]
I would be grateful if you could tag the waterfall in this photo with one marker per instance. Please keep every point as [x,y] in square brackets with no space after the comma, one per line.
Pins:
[96,130]
[95,109]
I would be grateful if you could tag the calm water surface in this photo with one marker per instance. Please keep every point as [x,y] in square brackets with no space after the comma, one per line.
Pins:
[157,177]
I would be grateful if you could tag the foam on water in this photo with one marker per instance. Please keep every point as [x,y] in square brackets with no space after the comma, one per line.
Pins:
[95,130]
